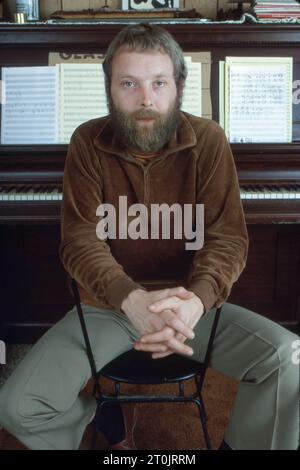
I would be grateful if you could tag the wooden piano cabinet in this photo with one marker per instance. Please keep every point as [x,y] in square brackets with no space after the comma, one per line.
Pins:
[33,284]
[270,283]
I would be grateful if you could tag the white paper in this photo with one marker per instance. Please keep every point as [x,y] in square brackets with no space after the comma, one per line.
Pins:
[222,93]
[192,97]
[259,99]
[29,115]
[82,96]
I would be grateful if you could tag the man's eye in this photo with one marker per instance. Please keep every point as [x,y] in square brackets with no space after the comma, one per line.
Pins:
[160,83]
[128,84]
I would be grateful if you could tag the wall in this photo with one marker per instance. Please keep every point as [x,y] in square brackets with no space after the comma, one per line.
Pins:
[207,8]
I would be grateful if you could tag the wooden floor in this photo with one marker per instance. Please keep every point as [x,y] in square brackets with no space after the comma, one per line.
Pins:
[170,426]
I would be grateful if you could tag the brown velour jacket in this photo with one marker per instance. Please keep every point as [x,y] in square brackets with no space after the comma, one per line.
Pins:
[196,166]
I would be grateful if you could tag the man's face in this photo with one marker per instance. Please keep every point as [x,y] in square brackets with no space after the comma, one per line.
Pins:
[143,100]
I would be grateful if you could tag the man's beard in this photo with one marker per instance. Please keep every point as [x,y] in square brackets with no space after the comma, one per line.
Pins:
[147,138]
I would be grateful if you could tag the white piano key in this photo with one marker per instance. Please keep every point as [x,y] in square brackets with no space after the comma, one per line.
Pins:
[269,192]
[54,193]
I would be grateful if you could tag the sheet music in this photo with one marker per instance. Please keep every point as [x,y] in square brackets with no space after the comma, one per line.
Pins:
[196,57]
[192,97]
[259,99]
[82,96]
[222,93]
[205,59]
[29,115]
[46,104]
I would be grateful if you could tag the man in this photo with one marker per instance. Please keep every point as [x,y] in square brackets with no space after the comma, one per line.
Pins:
[149,152]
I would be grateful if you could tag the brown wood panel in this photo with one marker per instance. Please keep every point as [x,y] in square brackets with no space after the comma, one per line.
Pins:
[33,284]
[269,284]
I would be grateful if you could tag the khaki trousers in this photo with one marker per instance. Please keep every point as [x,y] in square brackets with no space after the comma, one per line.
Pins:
[40,402]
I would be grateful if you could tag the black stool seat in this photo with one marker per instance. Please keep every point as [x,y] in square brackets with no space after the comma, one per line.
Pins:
[138,367]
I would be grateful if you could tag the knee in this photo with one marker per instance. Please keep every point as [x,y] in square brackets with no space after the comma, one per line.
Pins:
[288,350]
[18,406]
[9,417]
[274,358]
[284,357]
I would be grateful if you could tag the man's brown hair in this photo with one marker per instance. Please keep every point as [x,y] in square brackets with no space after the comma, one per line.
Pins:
[146,37]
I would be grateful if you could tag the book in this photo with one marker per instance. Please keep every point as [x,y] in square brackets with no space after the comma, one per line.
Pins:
[277,9]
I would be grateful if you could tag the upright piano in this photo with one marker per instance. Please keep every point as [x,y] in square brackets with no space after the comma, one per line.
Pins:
[33,287]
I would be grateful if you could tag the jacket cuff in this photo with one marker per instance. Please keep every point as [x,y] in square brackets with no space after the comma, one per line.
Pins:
[119,289]
[205,291]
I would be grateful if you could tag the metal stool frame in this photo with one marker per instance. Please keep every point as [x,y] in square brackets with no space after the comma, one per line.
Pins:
[102,398]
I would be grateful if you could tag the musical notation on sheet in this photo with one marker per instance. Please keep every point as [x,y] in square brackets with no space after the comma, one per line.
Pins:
[82,96]
[258,99]
[29,113]
[45,104]
[192,96]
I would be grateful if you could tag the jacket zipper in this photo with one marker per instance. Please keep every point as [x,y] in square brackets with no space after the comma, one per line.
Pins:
[146,186]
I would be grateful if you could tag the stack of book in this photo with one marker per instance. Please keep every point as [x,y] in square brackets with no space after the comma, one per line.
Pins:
[270,10]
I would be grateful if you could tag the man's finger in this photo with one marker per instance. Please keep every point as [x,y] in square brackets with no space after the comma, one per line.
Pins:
[172,320]
[164,335]
[179,348]
[160,355]
[150,347]
[155,323]
[168,303]
[174,346]
[180,337]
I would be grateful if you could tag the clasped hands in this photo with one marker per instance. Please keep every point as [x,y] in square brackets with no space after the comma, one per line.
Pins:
[165,318]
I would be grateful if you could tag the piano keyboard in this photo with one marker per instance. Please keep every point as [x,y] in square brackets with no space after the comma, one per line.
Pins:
[31,193]
[291,191]
[54,193]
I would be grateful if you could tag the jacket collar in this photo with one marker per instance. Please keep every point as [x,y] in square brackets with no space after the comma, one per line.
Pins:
[107,141]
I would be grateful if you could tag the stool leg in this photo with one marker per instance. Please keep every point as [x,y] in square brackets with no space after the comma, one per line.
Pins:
[203,408]
[95,432]
[203,423]
[199,388]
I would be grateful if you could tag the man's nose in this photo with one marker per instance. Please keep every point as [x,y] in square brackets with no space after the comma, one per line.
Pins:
[146,96]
